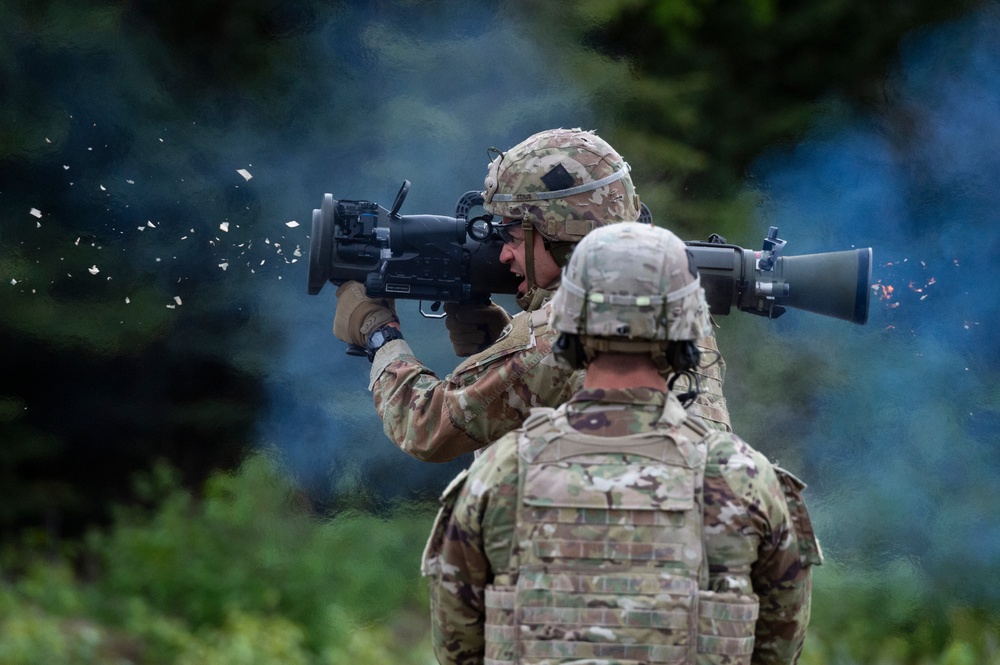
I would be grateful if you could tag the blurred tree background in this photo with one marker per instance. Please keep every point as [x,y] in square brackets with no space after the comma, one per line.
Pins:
[190,468]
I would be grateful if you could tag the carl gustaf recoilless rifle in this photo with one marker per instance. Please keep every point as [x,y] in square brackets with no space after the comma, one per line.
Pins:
[435,258]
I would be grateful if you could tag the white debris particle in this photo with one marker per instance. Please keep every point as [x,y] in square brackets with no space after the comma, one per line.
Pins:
[65,167]
[171,306]
[93,270]
[224,265]
[262,261]
[130,181]
[161,140]
[127,301]
[14,281]
[224,227]
[36,213]
[292,224]
[177,299]
[103,188]
[47,140]
[142,228]
[297,252]
[77,242]
[244,173]
[150,224]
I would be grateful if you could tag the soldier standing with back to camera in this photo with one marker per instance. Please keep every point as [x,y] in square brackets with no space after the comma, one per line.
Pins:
[617,528]
[550,190]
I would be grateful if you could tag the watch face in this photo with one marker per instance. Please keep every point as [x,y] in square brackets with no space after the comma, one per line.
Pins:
[381,337]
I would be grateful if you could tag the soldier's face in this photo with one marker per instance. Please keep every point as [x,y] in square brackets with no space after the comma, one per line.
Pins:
[547,271]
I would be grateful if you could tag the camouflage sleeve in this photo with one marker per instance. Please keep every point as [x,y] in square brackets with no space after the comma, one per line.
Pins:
[488,395]
[457,558]
[753,533]
[491,393]
[783,574]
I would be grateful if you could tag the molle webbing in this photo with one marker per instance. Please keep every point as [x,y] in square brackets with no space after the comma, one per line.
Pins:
[612,555]
[610,562]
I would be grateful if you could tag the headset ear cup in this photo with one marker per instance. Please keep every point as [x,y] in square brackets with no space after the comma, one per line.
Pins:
[569,350]
[683,356]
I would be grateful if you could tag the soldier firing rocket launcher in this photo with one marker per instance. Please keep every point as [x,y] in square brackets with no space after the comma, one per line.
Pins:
[438,259]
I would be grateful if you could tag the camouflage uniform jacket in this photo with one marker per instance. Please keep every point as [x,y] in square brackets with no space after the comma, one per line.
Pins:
[757,534]
[491,393]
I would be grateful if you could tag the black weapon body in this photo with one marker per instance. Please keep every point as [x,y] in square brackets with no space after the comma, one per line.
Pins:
[435,258]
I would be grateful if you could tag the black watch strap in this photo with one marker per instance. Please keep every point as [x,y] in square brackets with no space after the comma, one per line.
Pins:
[380,338]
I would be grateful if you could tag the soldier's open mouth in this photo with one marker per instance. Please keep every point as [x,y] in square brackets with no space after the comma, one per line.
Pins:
[522,288]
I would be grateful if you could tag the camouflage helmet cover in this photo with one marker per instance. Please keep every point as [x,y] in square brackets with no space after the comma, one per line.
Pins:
[566,182]
[633,281]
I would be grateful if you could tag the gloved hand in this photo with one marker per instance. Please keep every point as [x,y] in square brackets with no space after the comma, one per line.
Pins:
[358,316]
[473,327]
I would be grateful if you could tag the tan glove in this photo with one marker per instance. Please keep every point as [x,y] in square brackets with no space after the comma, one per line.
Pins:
[358,316]
[473,327]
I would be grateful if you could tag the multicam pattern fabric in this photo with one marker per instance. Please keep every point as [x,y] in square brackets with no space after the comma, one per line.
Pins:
[633,281]
[758,551]
[491,393]
[556,160]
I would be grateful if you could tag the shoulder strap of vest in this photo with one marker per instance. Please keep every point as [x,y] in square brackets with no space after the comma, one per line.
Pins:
[532,440]
[695,428]
[538,419]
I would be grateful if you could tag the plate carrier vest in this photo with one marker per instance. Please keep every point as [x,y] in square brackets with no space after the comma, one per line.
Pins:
[611,565]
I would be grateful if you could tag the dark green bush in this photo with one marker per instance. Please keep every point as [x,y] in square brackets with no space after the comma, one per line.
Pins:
[243,569]
[244,574]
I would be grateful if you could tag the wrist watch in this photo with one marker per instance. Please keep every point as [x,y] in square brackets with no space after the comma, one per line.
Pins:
[380,338]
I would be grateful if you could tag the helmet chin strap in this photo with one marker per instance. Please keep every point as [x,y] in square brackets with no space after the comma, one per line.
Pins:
[529,251]
[559,250]
[529,264]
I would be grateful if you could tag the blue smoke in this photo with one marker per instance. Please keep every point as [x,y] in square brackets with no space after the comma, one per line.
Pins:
[191,187]
[902,453]
[430,90]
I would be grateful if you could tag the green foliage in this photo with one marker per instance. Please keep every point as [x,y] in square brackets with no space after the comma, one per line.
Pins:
[889,616]
[244,574]
[241,574]
[706,86]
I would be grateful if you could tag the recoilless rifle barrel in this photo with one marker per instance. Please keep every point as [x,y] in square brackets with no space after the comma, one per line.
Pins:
[438,259]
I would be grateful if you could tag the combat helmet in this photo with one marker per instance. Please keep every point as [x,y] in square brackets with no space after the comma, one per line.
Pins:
[564,183]
[631,288]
